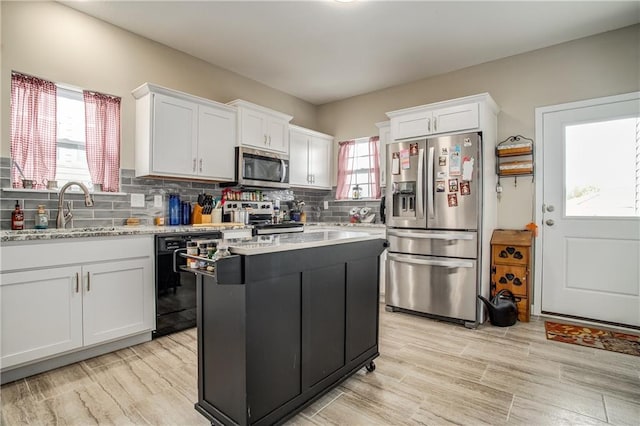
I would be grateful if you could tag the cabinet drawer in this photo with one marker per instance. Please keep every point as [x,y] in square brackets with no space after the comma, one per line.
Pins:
[511,255]
[513,278]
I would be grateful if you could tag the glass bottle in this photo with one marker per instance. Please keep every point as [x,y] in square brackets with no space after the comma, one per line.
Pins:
[42,220]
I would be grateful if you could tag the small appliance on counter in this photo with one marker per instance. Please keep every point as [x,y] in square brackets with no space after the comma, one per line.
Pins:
[262,215]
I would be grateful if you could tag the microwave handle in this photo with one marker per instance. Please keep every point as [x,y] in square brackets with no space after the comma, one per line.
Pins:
[284,171]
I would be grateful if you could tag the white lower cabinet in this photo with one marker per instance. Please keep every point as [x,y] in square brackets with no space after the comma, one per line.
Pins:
[58,309]
[114,299]
[41,314]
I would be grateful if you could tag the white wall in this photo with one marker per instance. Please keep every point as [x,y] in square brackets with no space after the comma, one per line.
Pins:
[601,65]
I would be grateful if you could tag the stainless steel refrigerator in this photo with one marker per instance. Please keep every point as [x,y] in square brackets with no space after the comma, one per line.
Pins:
[434,207]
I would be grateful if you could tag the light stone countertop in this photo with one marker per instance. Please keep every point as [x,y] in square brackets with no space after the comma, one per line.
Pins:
[263,244]
[111,231]
[114,231]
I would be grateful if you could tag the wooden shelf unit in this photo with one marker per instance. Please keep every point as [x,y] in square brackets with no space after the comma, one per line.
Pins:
[520,152]
[512,266]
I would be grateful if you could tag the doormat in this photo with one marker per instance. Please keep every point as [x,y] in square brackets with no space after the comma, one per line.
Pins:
[593,337]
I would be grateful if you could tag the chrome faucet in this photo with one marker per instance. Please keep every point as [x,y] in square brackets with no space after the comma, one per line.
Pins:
[64,218]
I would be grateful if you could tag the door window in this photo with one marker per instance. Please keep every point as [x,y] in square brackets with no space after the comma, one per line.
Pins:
[602,168]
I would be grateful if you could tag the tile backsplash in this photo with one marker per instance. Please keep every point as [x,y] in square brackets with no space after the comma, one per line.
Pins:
[112,209]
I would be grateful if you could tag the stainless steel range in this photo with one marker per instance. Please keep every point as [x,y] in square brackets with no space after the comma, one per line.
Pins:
[261,215]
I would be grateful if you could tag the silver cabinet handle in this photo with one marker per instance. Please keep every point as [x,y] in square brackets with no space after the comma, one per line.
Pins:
[265,139]
[550,222]
[428,124]
[201,165]
[194,164]
[269,140]
[435,124]
[77,282]
[88,281]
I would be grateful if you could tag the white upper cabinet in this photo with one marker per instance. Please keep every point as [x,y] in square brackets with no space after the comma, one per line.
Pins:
[184,136]
[261,127]
[456,115]
[310,158]
[384,132]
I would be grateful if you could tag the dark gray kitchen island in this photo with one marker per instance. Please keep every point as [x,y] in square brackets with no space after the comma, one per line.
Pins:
[285,321]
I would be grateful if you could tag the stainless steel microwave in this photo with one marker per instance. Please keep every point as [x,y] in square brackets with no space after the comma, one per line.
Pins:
[259,168]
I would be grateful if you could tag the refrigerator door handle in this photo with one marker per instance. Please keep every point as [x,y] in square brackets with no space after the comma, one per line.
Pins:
[403,258]
[419,189]
[429,236]
[430,183]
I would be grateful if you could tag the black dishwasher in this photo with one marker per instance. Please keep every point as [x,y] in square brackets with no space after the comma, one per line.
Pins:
[175,291]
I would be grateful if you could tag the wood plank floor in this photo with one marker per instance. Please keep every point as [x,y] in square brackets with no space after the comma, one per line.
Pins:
[429,372]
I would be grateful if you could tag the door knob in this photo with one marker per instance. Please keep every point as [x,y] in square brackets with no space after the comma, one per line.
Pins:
[549,222]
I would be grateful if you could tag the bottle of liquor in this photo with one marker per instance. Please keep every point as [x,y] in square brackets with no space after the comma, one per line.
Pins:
[17,218]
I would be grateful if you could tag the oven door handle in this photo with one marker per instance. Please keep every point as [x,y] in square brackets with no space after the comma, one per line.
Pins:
[175,253]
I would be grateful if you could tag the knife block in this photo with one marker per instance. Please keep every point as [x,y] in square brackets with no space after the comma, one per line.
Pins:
[198,218]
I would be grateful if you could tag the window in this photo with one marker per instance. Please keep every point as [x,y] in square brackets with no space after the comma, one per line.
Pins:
[71,149]
[603,182]
[358,169]
[63,134]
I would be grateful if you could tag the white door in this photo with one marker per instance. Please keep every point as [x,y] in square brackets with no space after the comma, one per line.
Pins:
[116,296]
[278,135]
[298,158]
[41,314]
[589,196]
[254,128]
[320,162]
[174,136]
[216,143]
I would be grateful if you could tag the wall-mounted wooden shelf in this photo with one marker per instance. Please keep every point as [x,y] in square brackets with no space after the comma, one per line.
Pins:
[519,152]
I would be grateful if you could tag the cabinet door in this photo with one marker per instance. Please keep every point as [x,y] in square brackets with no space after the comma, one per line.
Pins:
[509,277]
[118,299]
[273,343]
[278,134]
[175,133]
[323,323]
[362,306]
[216,143]
[299,159]
[320,162]
[41,314]
[411,125]
[253,128]
[455,118]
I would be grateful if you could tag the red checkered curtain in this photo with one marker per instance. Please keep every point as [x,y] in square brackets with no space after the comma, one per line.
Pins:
[33,130]
[345,166]
[102,122]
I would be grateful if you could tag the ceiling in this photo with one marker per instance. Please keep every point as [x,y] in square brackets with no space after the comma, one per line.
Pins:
[323,51]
